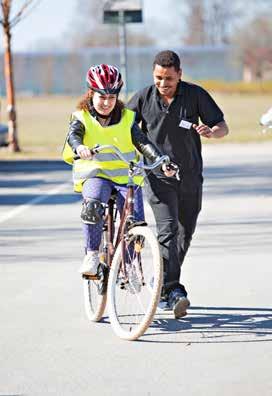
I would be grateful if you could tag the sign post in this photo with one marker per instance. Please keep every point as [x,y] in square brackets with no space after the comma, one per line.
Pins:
[122,12]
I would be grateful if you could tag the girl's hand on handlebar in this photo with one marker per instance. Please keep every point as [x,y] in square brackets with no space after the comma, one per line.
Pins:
[84,152]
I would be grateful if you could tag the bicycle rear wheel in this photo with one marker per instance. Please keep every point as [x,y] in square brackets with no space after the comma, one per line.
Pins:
[95,302]
[135,283]
[95,290]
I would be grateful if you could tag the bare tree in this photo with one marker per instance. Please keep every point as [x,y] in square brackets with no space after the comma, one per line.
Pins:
[220,19]
[210,22]
[8,22]
[253,48]
[213,22]
[196,34]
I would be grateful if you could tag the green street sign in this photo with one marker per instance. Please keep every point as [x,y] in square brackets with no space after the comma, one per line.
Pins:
[127,11]
[130,16]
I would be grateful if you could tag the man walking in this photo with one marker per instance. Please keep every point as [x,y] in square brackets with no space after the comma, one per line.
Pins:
[169,112]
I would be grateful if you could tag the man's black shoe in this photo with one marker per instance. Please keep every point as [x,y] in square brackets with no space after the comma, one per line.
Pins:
[178,302]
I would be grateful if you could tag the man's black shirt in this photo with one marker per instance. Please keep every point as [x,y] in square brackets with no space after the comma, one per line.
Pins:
[161,123]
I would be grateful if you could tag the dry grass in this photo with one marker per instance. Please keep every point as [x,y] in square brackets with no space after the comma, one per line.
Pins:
[242,113]
[42,125]
[43,122]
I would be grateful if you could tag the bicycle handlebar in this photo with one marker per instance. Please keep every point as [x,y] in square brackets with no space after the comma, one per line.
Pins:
[164,159]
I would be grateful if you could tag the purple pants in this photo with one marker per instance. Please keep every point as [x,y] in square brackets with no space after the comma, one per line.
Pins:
[99,188]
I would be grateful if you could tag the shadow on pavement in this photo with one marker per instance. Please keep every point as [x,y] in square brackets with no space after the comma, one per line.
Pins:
[234,179]
[19,183]
[231,179]
[21,199]
[16,177]
[214,325]
[33,166]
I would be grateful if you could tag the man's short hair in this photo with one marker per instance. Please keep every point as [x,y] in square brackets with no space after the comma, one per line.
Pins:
[167,59]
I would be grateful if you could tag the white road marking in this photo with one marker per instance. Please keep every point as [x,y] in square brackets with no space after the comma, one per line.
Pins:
[19,209]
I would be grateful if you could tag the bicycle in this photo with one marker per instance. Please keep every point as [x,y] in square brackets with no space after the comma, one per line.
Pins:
[130,271]
[266,120]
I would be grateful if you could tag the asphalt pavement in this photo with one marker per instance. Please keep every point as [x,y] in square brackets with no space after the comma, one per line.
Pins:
[223,346]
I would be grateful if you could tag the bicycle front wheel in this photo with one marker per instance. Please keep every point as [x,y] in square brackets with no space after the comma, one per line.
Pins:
[135,283]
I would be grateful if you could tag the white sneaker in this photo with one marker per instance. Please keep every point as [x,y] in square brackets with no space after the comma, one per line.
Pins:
[90,263]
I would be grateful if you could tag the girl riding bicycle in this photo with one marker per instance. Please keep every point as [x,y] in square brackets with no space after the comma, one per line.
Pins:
[102,119]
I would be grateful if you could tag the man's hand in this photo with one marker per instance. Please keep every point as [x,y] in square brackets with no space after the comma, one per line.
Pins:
[84,152]
[203,130]
[217,131]
[170,170]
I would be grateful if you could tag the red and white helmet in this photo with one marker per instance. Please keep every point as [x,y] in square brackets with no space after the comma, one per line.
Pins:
[105,79]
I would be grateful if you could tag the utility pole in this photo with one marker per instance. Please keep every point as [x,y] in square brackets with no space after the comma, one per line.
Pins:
[122,12]
[123,49]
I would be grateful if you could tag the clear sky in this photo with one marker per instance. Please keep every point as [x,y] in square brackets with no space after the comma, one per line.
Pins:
[48,21]
[51,19]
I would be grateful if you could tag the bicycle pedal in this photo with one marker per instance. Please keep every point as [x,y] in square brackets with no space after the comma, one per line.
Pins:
[91,277]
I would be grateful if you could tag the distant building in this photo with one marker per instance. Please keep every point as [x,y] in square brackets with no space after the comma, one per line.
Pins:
[64,72]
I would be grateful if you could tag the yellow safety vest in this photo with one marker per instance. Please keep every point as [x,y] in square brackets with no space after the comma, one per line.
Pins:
[105,164]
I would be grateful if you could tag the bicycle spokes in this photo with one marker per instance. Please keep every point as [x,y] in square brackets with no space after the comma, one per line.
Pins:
[131,277]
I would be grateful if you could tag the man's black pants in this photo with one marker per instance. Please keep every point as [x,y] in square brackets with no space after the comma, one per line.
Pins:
[176,207]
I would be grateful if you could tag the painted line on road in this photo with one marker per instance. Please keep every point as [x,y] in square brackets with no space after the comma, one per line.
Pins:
[16,211]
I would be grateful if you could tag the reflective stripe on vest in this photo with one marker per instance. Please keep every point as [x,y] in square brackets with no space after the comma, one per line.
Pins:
[108,173]
[112,156]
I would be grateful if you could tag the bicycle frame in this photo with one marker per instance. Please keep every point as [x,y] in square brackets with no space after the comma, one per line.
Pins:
[126,218]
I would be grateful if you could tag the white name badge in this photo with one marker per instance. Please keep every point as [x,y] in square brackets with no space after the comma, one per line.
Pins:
[185,124]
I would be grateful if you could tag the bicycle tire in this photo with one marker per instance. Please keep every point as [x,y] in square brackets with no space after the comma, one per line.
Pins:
[131,309]
[94,301]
